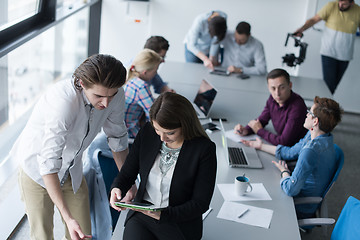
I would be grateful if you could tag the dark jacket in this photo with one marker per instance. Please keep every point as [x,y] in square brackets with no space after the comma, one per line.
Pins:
[192,184]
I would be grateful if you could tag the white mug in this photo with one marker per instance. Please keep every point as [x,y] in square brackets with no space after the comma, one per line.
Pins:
[242,185]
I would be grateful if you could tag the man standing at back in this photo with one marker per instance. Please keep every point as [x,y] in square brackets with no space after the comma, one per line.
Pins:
[242,52]
[284,108]
[342,18]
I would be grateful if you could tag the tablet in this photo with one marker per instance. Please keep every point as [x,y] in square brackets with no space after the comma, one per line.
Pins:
[139,206]
[220,71]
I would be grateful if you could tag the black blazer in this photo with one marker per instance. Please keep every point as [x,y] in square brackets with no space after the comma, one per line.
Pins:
[192,184]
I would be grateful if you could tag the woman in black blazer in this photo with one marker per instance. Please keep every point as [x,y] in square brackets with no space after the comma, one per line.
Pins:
[176,162]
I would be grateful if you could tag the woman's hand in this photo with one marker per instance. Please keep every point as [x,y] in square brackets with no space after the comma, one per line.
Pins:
[130,195]
[281,165]
[115,197]
[254,144]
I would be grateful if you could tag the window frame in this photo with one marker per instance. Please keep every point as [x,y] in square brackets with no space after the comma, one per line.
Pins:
[19,33]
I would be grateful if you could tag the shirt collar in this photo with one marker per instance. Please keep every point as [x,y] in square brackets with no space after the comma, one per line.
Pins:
[85,99]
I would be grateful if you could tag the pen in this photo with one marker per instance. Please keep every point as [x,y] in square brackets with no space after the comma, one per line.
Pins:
[217,119]
[243,213]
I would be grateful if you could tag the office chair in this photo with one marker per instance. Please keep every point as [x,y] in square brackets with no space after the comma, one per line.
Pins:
[348,223]
[322,211]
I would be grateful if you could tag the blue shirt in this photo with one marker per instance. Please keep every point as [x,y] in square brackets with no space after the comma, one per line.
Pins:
[198,38]
[314,169]
[157,83]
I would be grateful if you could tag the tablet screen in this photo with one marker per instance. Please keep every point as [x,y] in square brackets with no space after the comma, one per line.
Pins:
[140,206]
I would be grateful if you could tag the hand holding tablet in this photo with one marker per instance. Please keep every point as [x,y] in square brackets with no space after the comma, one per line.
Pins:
[139,206]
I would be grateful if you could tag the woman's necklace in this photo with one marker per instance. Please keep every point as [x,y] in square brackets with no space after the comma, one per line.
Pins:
[168,157]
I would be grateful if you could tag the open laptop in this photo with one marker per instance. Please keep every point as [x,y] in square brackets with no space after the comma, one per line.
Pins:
[239,156]
[204,99]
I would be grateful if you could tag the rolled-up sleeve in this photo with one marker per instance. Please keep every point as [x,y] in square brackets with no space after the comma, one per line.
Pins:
[114,126]
[292,185]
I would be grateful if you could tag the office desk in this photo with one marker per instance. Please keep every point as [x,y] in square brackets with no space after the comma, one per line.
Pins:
[283,223]
[238,101]
[193,73]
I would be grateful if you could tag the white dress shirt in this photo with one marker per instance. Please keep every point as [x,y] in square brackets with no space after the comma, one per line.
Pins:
[158,185]
[61,127]
[249,56]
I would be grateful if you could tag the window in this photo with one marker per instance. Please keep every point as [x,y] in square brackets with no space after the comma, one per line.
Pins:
[12,12]
[28,70]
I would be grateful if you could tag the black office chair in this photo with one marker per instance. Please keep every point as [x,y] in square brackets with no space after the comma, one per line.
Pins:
[321,215]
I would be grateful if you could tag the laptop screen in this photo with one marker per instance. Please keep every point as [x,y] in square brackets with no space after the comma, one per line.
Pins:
[205,97]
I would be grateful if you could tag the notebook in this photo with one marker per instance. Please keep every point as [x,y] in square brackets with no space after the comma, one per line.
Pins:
[239,156]
[204,99]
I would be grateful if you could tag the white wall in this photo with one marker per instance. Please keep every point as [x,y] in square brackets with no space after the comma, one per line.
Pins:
[172,19]
[347,92]
[270,21]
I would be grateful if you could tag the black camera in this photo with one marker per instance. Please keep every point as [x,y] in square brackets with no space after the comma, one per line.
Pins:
[290,59]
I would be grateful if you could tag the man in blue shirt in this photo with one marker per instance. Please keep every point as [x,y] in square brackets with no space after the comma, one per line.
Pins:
[160,45]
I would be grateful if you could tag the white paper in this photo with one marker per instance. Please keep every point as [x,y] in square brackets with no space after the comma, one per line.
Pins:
[258,193]
[236,137]
[206,213]
[260,217]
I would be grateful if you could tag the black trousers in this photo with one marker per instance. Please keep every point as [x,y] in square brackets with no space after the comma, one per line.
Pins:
[143,227]
[333,70]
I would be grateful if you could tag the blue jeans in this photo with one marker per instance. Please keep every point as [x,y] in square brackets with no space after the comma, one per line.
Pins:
[333,70]
[190,57]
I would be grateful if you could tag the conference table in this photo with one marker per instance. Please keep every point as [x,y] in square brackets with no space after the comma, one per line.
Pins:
[239,101]
[179,73]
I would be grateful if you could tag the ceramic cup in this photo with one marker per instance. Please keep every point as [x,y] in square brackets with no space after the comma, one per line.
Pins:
[242,185]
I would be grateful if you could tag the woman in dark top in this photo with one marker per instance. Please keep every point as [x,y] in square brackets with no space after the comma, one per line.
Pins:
[176,162]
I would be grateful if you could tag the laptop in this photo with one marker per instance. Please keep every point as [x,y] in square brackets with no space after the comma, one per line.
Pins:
[204,99]
[239,156]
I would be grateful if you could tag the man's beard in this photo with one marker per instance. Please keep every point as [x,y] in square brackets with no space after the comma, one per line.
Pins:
[344,9]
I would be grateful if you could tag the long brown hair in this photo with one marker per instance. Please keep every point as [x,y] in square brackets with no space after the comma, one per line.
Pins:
[171,111]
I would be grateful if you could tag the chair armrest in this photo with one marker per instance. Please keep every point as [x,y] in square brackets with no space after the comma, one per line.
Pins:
[307,200]
[315,221]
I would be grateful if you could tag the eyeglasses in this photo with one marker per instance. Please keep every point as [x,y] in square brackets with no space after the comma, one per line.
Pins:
[311,113]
